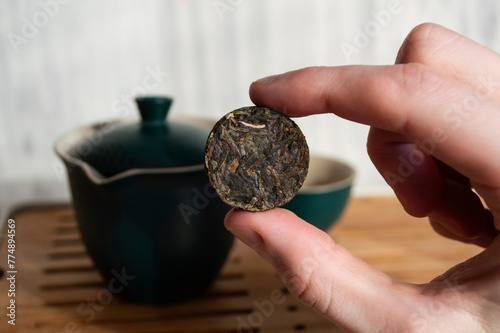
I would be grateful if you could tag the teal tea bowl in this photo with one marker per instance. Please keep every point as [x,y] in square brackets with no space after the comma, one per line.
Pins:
[325,192]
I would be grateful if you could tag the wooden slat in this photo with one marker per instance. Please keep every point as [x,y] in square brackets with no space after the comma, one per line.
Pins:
[56,277]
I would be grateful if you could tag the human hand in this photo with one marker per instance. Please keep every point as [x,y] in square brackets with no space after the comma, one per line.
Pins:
[438,108]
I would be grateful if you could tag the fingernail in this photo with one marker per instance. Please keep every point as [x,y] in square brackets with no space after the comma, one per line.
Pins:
[247,236]
[267,80]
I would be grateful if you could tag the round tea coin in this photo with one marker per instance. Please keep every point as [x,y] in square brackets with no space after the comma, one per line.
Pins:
[256,158]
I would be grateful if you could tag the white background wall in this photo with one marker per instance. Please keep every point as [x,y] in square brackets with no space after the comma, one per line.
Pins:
[68,63]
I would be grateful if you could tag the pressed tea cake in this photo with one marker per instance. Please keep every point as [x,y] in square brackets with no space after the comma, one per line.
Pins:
[256,158]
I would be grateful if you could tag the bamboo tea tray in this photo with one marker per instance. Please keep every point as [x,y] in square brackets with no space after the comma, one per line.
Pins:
[58,290]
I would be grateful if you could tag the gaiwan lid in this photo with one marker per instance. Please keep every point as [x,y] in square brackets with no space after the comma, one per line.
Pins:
[152,142]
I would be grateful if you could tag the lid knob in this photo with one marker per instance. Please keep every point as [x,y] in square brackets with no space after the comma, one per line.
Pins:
[153,108]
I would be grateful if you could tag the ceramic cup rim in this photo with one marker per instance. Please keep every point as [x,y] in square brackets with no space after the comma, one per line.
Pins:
[68,139]
[342,176]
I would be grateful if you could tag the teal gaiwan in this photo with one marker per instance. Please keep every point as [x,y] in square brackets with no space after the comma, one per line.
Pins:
[148,217]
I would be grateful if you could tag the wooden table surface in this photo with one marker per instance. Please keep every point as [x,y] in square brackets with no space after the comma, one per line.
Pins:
[58,290]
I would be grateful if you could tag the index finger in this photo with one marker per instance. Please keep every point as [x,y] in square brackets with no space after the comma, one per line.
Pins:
[444,116]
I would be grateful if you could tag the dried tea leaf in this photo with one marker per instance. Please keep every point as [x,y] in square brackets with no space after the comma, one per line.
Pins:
[256,158]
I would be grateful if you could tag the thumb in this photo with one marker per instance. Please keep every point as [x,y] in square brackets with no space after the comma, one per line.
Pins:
[323,274]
